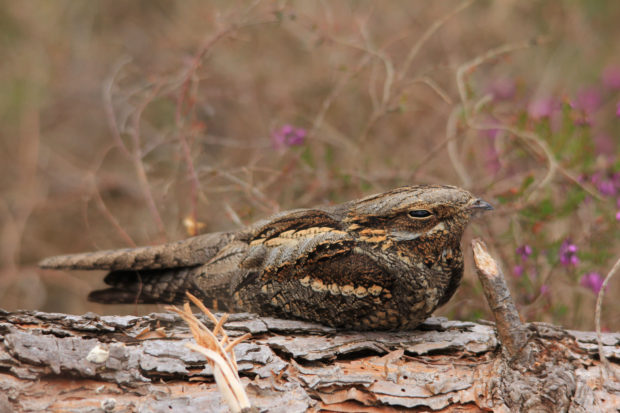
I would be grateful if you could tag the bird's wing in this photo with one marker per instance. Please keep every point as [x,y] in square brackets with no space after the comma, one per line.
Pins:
[270,243]
[296,220]
[189,252]
[316,273]
[288,236]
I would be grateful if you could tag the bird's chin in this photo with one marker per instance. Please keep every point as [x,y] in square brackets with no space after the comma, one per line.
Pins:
[477,213]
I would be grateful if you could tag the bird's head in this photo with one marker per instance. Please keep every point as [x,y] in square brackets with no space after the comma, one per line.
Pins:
[421,212]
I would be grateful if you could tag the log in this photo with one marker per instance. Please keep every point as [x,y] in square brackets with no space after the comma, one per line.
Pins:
[58,362]
[52,362]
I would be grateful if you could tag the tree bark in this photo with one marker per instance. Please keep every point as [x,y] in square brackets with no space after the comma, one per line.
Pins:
[58,362]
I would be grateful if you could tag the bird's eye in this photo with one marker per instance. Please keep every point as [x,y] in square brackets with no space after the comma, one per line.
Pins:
[420,213]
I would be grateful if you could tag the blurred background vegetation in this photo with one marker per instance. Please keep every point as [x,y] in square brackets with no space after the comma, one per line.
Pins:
[137,122]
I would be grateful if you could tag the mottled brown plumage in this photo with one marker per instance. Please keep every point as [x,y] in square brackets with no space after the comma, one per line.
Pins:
[382,262]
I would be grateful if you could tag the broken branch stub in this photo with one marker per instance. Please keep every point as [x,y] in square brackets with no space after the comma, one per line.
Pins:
[512,333]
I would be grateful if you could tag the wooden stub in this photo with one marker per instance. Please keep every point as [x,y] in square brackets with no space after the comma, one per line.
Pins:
[540,365]
[511,331]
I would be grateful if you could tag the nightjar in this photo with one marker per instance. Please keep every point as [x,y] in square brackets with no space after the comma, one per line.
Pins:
[383,262]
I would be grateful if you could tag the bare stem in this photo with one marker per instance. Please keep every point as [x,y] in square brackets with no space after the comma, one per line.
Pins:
[468,67]
[428,34]
[597,318]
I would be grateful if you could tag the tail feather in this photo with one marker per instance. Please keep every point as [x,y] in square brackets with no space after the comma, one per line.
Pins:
[146,287]
[117,296]
[185,253]
[166,286]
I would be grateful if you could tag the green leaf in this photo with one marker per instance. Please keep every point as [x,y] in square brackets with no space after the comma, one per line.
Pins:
[560,310]
[546,207]
[476,315]
[572,201]
[329,155]
[529,180]
[307,158]
[502,199]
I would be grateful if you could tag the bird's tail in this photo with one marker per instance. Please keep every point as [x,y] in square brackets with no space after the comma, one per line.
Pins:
[186,253]
[165,286]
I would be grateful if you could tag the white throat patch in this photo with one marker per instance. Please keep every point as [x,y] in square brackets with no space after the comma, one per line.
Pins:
[409,236]
[404,235]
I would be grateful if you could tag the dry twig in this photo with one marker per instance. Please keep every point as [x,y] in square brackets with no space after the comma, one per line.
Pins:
[597,318]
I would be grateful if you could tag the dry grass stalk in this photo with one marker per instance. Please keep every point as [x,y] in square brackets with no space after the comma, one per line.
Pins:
[219,353]
[597,321]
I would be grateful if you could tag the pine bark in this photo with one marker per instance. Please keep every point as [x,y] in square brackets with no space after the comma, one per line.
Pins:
[58,362]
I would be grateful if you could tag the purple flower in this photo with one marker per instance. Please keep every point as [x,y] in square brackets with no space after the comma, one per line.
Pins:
[607,188]
[518,271]
[588,100]
[503,88]
[489,131]
[611,77]
[524,251]
[618,216]
[492,161]
[593,281]
[541,108]
[605,185]
[544,289]
[288,135]
[568,254]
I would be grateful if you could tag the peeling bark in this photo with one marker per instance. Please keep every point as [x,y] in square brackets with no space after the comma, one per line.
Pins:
[47,363]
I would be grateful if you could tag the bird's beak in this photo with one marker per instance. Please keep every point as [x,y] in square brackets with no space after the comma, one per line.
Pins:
[478,206]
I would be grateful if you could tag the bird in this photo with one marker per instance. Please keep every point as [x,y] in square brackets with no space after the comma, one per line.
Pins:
[383,262]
